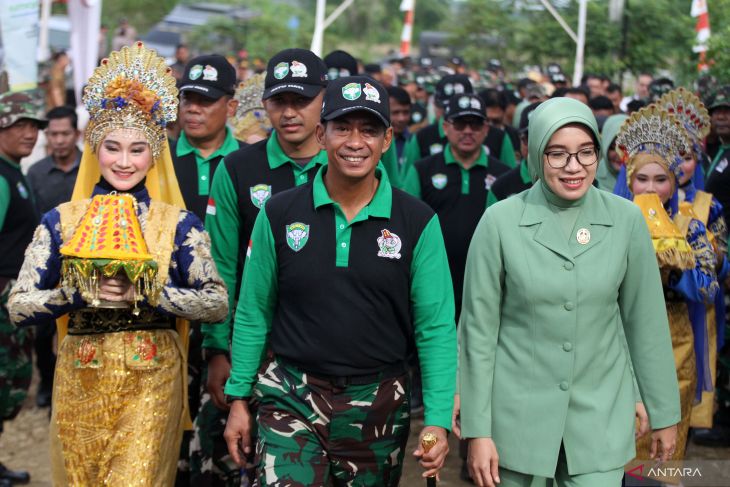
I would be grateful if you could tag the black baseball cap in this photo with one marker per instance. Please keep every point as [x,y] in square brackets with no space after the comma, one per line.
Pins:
[450,85]
[295,71]
[340,63]
[356,93]
[466,105]
[210,75]
[721,98]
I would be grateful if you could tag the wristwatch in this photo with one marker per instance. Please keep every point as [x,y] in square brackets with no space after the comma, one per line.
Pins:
[230,399]
[209,353]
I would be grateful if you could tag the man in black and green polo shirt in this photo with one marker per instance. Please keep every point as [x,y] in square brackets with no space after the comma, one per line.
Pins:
[431,139]
[517,179]
[206,103]
[456,182]
[293,91]
[345,279]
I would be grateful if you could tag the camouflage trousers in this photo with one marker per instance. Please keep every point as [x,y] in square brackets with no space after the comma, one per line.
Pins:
[16,367]
[312,432]
[210,463]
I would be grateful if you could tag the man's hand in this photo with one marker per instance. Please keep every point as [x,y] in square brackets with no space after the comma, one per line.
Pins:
[663,442]
[219,369]
[436,456]
[238,432]
[455,421]
[483,462]
[643,421]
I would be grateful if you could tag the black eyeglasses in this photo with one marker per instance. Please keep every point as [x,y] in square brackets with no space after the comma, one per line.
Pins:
[460,124]
[558,159]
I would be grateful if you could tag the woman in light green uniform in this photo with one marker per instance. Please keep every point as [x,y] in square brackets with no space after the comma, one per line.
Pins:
[552,276]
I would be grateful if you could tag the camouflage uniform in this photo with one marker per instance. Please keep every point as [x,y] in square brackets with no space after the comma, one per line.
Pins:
[329,434]
[16,367]
[15,344]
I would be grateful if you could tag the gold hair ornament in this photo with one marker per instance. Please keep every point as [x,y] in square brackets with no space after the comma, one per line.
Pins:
[132,89]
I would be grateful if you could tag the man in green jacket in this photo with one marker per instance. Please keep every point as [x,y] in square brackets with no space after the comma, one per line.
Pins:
[345,279]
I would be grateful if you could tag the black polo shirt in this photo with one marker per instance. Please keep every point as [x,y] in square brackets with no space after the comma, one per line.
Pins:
[459,198]
[718,179]
[514,181]
[242,184]
[340,298]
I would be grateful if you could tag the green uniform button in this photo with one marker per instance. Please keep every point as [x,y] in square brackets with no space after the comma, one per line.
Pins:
[569,306]
[342,226]
[564,386]
[204,178]
[343,244]
[567,346]
[568,266]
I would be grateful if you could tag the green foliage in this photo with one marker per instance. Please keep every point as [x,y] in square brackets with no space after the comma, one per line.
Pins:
[141,14]
[719,45]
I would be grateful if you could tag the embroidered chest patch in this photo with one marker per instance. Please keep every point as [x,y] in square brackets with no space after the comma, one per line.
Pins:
[389,244]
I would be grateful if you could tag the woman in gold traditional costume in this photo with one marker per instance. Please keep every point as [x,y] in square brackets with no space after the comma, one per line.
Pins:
[652,142]
[127,267]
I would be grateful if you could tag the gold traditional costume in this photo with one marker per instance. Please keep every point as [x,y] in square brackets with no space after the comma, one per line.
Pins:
[694,203]
[654,135]
[119,399]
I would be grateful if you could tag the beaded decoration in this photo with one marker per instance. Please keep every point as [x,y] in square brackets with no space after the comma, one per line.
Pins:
[690,111]
[251,118]
[653,130]
[132,88]
[107,241]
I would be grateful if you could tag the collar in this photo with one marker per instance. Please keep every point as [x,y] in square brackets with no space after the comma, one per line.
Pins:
[450,159]
[278,158]
[10,163]
[139,192]
[379,206]
[537,208]
[184,147]
[525,172]
[75,165]
[442,134]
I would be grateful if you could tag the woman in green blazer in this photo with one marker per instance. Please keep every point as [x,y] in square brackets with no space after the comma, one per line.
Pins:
[552,276]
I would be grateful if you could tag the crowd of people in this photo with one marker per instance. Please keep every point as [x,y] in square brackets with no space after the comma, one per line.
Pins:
[257,275]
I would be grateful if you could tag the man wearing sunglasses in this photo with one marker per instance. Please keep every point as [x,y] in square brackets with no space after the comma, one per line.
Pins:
[456,182]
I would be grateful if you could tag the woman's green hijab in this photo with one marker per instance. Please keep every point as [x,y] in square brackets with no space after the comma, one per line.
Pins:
[546,120]
[605,174]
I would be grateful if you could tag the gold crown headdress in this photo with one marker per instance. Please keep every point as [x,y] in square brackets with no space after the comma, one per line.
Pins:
[652,131]
[690,111]
[251,118]
[133,88]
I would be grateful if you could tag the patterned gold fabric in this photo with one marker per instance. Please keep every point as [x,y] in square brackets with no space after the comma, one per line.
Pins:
[680,329]
[118,409]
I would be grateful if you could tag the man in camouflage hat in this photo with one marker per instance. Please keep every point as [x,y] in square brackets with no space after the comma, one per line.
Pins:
[718,174]
[21,116]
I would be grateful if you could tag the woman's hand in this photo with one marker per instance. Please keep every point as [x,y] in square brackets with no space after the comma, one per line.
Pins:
[455,421]
[665,441]
[117,288]
[643,421]
[483,462]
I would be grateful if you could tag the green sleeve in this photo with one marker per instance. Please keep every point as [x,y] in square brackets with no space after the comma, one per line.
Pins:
[410,181]
[491,199]
[647,331]
[223,224]
[507,154]
[4,199]
[479,327]
[256,305]
[412,150]
[389,160]
[432,300]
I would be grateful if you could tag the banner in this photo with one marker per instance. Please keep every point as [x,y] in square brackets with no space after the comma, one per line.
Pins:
[85,18]
[19,27]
